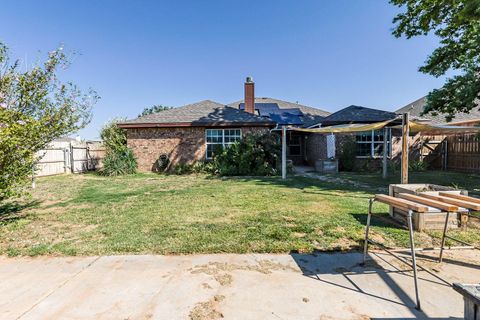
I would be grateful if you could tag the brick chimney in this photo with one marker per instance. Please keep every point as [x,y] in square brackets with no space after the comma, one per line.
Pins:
[249,95]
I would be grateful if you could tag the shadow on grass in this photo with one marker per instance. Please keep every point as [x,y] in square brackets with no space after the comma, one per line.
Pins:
[378,220]
[306,184]
[9,211]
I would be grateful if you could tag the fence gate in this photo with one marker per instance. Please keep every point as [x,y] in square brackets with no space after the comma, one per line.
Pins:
[434,153]
[69,157]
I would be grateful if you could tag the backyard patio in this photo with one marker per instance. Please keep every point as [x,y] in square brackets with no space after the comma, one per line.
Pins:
[170,214]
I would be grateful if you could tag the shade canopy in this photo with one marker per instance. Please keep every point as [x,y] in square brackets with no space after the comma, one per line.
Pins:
[415,127]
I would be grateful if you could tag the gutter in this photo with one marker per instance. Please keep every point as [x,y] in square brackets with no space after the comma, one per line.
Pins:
[194,124]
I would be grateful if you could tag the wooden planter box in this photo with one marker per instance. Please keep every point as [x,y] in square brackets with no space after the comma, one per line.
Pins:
[326,166]
[434,220]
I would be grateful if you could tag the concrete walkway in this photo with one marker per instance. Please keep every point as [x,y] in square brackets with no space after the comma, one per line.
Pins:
[254,286]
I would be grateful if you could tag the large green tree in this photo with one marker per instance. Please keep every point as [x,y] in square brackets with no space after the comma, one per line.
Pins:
[36,107]
[457,24]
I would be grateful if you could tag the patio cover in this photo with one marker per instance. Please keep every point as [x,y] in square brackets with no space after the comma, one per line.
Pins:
[413,126]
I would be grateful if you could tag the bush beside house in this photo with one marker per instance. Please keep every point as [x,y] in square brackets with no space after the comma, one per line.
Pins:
[119,159]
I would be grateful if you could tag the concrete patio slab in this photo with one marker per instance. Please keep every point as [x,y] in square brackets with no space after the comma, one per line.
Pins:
[254,286]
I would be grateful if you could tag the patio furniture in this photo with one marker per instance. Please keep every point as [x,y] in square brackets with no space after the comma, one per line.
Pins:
[471,298]
[403,204]
[420,204]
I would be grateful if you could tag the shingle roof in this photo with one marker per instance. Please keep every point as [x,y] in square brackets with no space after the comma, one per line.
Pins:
[357,114]
[310,117]
[416,108]
[203,113]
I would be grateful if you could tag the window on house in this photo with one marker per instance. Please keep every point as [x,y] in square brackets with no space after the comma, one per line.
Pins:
[294,145]
[370,143]
[217,139]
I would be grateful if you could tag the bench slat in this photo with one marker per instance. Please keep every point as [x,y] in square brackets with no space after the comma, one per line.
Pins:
[401,203]
[460,197]
[460,203]
[429,202]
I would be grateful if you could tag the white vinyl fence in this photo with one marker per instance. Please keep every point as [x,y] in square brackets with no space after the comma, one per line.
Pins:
[70,157]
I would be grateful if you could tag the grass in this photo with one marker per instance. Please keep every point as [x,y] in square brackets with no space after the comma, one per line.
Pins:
[168,214]
[470,182]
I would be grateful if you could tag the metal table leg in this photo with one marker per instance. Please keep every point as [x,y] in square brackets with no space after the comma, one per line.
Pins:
[414,260]
[367,227]
[444,237]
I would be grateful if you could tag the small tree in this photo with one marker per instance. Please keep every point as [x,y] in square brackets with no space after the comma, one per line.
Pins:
[119,159]
[347,153]
[35,108]
[154,109]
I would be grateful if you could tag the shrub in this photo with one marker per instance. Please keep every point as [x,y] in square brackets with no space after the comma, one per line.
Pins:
[204,167]
[119,159]
[197,167]
[256,154]
[183,168]
[119,163]
[347,154]
[417,165]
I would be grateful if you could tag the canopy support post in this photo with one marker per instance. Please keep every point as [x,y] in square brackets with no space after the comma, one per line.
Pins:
[385,152]
[284,152]
[405,148]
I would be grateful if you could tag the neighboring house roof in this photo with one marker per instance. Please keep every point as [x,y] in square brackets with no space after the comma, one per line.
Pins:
[416,108]
[203,113]
[310,115]
[357,114]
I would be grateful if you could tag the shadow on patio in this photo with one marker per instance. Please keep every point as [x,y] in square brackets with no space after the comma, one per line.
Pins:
[388,283]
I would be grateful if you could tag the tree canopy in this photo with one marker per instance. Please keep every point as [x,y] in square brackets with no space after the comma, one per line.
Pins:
[154,109]
[36,107]
[457,24]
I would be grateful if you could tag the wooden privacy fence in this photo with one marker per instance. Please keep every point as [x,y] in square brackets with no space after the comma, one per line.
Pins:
[463,153]
[69,157]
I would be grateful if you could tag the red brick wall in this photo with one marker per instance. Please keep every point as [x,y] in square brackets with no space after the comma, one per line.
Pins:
[316,147]
[182,145]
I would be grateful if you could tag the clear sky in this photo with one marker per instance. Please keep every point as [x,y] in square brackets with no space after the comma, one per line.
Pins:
[326,54]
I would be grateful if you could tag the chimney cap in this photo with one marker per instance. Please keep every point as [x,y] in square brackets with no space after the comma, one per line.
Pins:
[249,80]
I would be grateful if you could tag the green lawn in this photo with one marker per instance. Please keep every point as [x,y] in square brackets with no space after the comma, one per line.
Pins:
[168,214]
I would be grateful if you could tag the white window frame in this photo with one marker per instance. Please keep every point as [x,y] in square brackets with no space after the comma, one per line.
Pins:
[223,143]
[372,143]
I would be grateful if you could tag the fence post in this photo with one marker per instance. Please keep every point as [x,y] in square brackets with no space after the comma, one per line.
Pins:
[72,159]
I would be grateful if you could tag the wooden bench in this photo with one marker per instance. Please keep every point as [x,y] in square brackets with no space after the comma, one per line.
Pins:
[402,204]
[459,197]
[455,201]
[429,202]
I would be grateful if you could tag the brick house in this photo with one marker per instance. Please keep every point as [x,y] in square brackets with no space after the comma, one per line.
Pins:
[192,133]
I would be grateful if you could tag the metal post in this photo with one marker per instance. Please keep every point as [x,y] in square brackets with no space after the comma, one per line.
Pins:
[72,160]
[65,160]
[414,260]
[34,184]
[443,237]
[405,148]
[284,152]
[385,152]
[367,227]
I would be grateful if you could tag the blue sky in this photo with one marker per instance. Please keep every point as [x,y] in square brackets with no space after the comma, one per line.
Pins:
[139,53]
